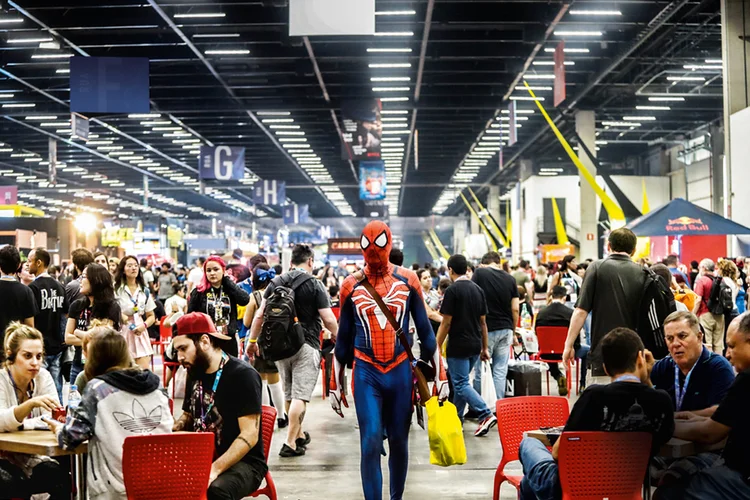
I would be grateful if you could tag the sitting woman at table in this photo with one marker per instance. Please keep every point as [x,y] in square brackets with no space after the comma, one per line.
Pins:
[120,400]
[27,392]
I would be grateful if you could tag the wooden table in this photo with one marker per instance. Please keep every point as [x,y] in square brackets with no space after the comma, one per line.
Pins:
[674,448]
[45,443]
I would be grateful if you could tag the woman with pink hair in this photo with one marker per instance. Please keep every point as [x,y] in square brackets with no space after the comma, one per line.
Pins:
[218,296]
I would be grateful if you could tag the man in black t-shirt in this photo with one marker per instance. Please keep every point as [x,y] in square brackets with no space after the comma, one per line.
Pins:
[53,312]
[16,299]
[729,477]
[501,293]
[464,325]
[300,371]
[627,404]
[223,396]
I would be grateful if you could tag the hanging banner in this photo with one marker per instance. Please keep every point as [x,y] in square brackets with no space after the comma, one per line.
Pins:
[269,192]
[221,163]
[52,146]
[372,183]
[79,126]
[362,131]
[8,195]
[109,85]
[512,133]
[331,17]
[559,73]
[500,158]
[296,214]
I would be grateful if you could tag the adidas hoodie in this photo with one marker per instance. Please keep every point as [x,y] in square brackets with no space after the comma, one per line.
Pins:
[114,406]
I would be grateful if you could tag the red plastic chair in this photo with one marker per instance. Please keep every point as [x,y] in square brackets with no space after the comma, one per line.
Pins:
[552,342]
[518,415]
[596,465]
[167,466]
[267,422]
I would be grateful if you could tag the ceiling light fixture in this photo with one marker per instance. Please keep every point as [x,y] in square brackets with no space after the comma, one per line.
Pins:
[31,40]
[666,99]
[390,79]
[145,115]
[639,118]
[578,33]
[525,98]
[10,20]
[380,50]
[686,79]
[6,96]
[202,15]
[394,112]
[699,67]
[539,76]
[389,65]
[396,13]
[714,61]
[595,13]
[653,108]
[395,33]
[63,71]
[227,52]
[394,99]
[390,89]
[41,118]
[273,113]
[620,124]
[217,35]
[19,105]
[569,50]
[51,56]
[552,63]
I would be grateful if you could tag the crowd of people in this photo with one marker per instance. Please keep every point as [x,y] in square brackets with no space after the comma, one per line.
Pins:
[92,321]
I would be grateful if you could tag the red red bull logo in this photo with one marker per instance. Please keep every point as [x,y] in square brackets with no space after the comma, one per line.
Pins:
[685,223]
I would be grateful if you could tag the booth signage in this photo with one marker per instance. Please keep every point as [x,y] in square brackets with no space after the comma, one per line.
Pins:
[344,246]
[79,125]
[682,224]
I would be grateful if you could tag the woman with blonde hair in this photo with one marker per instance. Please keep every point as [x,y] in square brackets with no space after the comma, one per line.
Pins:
[120,400]
[27,393]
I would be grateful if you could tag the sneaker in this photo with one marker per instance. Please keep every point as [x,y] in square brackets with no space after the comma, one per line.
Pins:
[288,452]
[303,442]
[485,425]
[283,422]
[562,386]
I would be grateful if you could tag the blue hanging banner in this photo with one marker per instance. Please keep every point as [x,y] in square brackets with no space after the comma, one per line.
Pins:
[221,163]
[372,183]
[109,85]
[269,192]
[296,214]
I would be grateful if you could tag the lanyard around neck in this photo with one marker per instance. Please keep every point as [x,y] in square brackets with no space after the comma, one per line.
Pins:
[17,390]
[628,378]
[207,411]
[680,392]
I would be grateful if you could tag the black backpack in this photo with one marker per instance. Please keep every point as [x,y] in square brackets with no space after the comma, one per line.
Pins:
[720,298]
[282,334]
[657,302]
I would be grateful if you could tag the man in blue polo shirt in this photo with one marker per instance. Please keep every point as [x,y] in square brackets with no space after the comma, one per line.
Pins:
[696,379]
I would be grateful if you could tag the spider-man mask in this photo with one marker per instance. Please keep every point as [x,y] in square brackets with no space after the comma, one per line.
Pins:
[376,245]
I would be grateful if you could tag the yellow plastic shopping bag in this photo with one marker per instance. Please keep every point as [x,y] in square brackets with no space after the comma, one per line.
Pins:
[446,434]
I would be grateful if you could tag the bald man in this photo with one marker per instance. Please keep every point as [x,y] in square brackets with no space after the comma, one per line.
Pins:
[727,477]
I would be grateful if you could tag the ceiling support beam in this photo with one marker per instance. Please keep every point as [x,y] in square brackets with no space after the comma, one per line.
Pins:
[234,96]
[417,92]
[327,97]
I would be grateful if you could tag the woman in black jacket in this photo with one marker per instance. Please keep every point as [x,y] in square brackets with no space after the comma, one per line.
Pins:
[218,296]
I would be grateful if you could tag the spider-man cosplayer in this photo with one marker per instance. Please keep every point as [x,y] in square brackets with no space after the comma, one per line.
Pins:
[383,379]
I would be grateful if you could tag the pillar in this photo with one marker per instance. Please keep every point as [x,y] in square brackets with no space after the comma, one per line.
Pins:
[493,204]
[459,236]
[586,129]
[735,28]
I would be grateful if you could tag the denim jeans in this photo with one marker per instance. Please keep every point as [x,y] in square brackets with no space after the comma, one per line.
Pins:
[582,354]
[541,480]
[75,369]
[499,342]
[52,365]
[463,392]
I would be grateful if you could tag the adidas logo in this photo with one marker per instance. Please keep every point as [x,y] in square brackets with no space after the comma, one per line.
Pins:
[140,422]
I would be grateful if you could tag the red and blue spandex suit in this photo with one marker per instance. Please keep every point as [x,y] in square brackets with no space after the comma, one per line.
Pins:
[382,373]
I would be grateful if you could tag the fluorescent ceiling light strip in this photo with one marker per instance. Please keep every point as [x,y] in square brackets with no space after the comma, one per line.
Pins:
[19,105]
[552,63]
[525,98]
[653,108]
[639,118]
[703,67]
[389,65]
[389,51]
[539,76]
[202,15]
[620,124]
[578,33]
[576,12]
[10,20]
[686,79]
[31,40]
[278,120]
[394,99]
[273,113]
[51,56]
[396,13]
[394,112]
[62,71]
[395,33]
[390,79]
[714,61]
[666,99]
[534,88]
[227,52]
[217,35]
[569,50]
[144,115]
[41,118]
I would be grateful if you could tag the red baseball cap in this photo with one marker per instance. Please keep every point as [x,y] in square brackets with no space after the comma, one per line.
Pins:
[198,323]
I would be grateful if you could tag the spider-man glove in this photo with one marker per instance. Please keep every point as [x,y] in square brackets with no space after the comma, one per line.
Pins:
[442,388]
[336,392]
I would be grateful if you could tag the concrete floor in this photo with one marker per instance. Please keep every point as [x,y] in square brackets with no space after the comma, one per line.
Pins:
[331,465]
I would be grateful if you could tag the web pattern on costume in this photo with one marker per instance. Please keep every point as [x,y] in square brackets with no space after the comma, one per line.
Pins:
[376,342]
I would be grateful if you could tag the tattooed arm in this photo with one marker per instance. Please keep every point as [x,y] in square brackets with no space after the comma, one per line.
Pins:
[246,440]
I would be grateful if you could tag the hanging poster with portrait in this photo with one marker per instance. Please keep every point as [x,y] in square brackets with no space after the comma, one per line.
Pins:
[362,130]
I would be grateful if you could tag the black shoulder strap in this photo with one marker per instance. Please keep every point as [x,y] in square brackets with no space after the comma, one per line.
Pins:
[362,279]
[299,280]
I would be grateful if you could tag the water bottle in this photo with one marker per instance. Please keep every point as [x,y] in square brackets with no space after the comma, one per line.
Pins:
[525,319]
[74,398]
